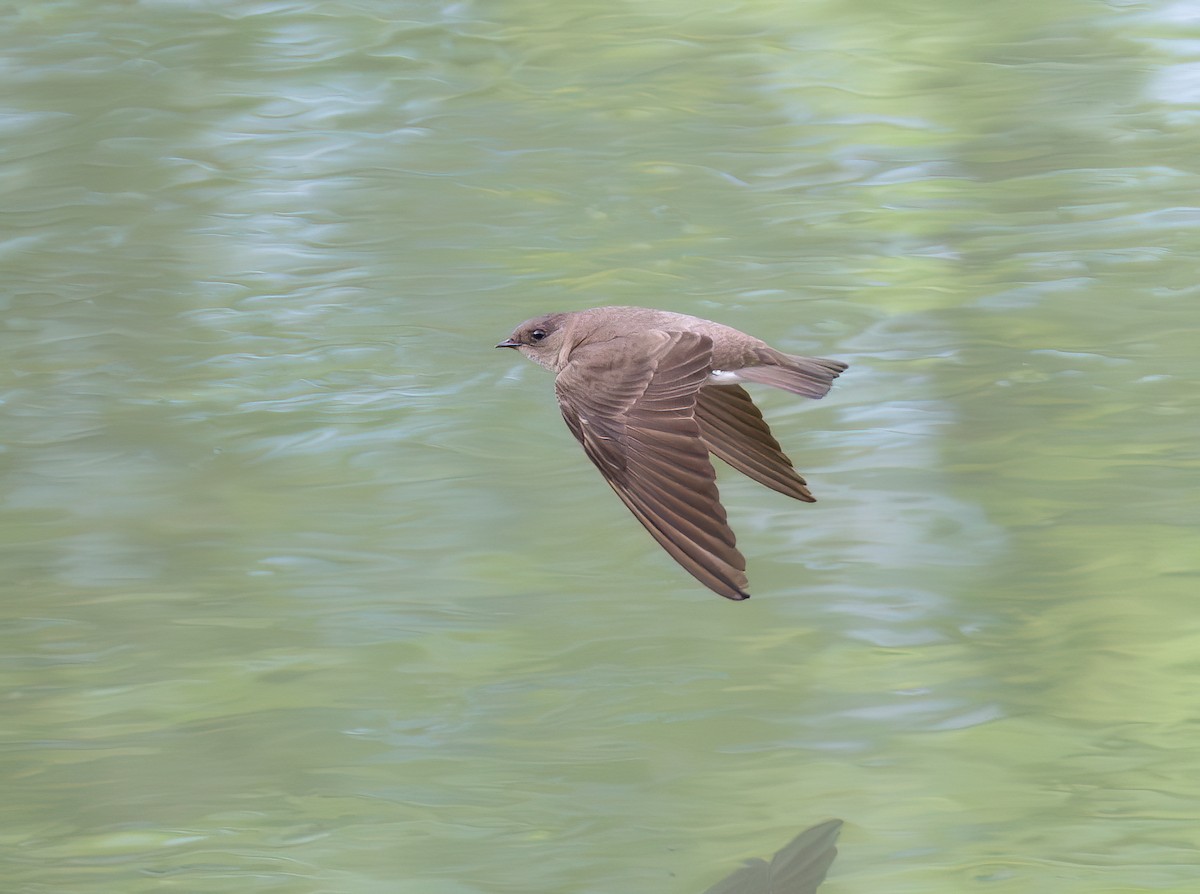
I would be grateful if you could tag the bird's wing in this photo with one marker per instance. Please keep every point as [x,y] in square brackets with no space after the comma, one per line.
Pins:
[633,410]
[735,430]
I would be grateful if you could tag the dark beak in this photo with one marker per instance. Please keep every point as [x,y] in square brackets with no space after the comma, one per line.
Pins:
[509,343]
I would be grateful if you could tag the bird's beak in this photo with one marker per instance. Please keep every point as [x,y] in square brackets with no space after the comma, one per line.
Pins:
[509,343]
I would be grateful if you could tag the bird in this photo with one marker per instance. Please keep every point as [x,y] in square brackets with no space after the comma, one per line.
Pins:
[649,394]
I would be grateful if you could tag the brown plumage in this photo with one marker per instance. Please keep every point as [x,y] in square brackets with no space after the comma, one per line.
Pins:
[649,394]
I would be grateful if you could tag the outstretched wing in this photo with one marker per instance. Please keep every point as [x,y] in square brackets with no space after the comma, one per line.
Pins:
[735,431]
[634,412]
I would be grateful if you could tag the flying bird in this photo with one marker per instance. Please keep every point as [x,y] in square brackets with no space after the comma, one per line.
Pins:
[650,394]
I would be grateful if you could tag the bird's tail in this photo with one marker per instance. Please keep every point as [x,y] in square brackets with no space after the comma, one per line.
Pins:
[809,376]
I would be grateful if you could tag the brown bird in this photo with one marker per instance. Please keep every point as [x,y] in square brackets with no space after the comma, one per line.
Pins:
[649,394]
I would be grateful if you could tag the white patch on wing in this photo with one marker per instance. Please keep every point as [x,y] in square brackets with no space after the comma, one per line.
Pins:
[724,377]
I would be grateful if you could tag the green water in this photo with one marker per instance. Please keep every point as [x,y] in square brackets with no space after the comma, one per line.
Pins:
[308,589]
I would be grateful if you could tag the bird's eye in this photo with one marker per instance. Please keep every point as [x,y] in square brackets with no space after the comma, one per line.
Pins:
[537,334]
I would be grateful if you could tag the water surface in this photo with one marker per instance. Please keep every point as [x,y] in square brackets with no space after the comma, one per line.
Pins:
[309,589]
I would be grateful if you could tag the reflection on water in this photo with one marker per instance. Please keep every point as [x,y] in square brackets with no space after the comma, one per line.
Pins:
[298,585]
[798,868]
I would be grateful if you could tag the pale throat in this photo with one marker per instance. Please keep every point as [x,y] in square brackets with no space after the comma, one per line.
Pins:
[541,358]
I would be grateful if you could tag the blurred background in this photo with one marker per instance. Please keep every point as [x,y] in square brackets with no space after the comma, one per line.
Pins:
[308,589]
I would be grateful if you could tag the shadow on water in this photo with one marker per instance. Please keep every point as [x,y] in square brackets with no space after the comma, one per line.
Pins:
[797,868]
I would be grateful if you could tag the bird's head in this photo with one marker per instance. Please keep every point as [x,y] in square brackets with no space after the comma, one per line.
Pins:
[540,339]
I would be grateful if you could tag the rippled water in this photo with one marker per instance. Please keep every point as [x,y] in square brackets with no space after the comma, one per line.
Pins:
[309,589]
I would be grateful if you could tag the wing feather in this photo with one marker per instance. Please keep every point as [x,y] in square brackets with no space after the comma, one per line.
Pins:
[632,406]
[734,430]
